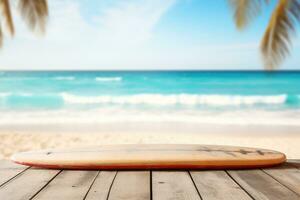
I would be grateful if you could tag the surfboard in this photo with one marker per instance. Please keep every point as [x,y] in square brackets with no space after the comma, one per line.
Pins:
[163,156]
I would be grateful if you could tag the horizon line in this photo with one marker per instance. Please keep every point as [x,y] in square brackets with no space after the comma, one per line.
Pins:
[150,70]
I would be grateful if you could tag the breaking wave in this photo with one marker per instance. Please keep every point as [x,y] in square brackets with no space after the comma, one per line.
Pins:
[181,99]
[152,99]
[108,79]
[67,78]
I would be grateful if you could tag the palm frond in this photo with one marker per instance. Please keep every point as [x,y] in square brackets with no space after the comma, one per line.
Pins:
[6,14]
[35,13]
[245,11]
[275,44]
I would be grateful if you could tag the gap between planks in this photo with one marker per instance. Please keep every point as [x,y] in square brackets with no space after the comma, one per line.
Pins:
[260,185]
[287,175]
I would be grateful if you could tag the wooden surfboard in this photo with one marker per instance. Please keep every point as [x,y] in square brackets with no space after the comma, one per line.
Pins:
[151,157]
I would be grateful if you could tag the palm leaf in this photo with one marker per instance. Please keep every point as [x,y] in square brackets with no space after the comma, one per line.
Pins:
[6,13]
[245,10]
[277,38]
[35,13]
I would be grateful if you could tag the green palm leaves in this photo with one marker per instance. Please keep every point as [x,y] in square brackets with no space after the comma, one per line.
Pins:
[34,12]
[276,41]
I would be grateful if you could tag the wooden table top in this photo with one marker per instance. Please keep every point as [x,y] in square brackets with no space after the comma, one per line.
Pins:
[18,182]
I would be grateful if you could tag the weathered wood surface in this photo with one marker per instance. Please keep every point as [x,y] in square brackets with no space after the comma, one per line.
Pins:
[218,185]
[9,170]
[26,185]
[131,185]
[21,183]
[287,175]
[173,185]
[68,185]
[102,185]
[261,186]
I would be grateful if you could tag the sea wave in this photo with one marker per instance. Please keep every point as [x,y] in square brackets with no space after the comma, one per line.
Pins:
[156,99]
[23,94]
[19,78]
[68,78]
[108,79]
[5,94]
[123,115]
[181,99]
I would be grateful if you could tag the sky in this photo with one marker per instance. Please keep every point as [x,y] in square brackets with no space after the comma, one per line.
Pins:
[140,35]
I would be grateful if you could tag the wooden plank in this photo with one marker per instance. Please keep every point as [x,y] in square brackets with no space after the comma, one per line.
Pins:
[218,185]
[131,185]
[7,164]
[68,185]
[261,186]
[9,170]
[173,185]
[27,184]
[296,163]
[287,175]
[101,187]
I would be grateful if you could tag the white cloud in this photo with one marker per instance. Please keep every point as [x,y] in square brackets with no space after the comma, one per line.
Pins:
[72,41]
[120,36]
[133,21]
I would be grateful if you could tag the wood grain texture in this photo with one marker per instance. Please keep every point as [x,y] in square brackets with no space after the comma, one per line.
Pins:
[261,186]
[173,185]
[287,175]
[165,156]
[9,170]
[101,187]
[281,182]
[131,185]
[218,185]
[296,163]
[26,185]
[68,185]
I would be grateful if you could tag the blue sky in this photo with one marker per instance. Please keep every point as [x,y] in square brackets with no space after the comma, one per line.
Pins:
[140,34]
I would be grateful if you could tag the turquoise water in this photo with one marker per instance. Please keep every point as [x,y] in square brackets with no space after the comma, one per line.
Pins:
[184,95]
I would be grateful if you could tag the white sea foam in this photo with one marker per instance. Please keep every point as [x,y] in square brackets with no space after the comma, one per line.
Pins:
[180,99]
[22,94]
[19,78]
[68,78]
[5,94]
[121,115]
[108,79]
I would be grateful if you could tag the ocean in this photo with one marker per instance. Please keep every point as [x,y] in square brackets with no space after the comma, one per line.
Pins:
[203,97]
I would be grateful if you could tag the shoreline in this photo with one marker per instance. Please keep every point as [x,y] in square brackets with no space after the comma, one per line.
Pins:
[151,127]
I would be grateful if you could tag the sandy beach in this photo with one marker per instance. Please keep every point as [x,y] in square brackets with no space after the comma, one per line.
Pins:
[23,138]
